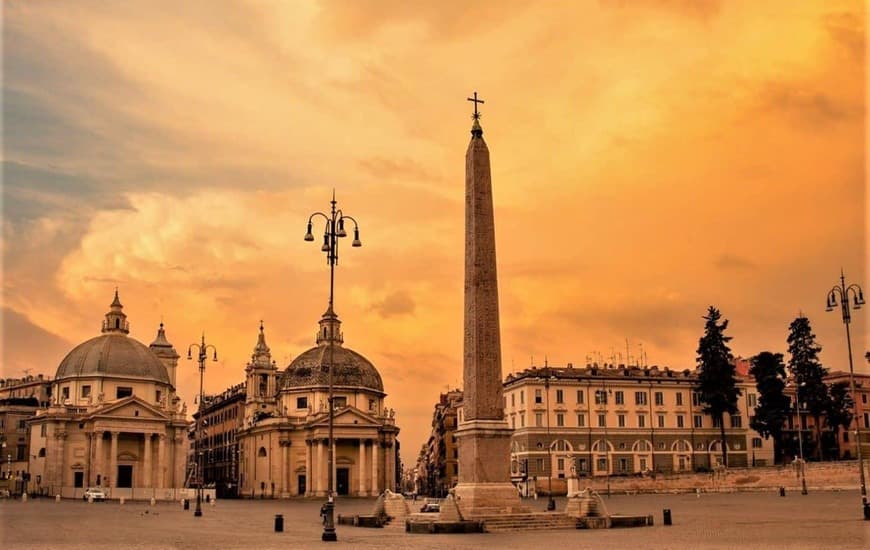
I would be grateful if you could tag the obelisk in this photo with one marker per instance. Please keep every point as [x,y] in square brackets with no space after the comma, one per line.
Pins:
[484,486]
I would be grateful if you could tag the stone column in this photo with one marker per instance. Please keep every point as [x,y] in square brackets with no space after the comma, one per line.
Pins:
[98,458]
[389,474]
[362,468]
[113,461]
[321,467]
[284,446]
[309,478]
[161,461]
[375,488]
[146,463]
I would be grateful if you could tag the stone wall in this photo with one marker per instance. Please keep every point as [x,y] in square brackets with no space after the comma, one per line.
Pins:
[819,475]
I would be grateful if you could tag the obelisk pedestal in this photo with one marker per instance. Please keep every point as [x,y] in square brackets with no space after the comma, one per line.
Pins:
[484,487]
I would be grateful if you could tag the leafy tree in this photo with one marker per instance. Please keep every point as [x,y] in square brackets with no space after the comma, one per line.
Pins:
[717,381]
[772,410]
[808,373]
[839,412]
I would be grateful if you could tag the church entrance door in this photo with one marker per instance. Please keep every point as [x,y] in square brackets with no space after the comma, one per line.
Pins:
[301,485]
[125,476]
[342,481]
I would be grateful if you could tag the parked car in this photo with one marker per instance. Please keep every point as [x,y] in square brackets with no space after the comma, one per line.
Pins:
[94,492]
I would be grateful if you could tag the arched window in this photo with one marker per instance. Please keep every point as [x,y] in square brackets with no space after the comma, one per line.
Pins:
[561,445]
[601,446]
[262,451]
[117,323]
[681,446]
[42,453]
[642,446]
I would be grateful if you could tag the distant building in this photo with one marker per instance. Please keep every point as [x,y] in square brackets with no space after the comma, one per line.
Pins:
[438,463]
[113,420]
[604,420]
[20,398]
[223,416]
[283,443]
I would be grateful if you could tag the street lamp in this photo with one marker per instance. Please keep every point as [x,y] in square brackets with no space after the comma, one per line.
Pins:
[551,504]
[800,426]
[333,230]
[840,293]
[202,350]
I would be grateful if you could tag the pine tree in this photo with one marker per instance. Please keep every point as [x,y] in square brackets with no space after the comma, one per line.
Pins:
[808,374]
[772,410]
[717,381]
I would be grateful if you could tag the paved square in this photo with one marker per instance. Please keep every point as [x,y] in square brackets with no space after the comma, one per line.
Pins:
[743,520]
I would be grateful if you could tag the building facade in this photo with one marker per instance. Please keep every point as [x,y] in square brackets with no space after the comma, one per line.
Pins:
[604,421]
[20,398]
[438,463]
[222,417]
[283,444]
[114,419]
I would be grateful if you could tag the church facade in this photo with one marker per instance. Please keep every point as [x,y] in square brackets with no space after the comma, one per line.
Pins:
[283,444]
[114,419]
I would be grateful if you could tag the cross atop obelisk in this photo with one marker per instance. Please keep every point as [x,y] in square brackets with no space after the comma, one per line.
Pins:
[476,114]
[476,130]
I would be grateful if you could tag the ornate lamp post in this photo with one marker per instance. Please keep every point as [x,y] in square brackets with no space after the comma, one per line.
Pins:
[840,294]
[800,428]
[202,350]
[333,231]
[551,504]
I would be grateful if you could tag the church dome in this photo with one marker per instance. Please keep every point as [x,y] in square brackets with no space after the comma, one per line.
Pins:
[113,353]
[351,368]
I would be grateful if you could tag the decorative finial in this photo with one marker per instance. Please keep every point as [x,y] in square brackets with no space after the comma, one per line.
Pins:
[476,130]
[261,325]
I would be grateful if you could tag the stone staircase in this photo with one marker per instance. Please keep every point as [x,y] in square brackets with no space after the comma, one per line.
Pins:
[539,521]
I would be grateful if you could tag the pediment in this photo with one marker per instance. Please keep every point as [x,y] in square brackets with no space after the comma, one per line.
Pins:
[130,407]
[349,416]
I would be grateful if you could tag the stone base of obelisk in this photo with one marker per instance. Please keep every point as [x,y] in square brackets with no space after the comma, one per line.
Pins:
[484,487]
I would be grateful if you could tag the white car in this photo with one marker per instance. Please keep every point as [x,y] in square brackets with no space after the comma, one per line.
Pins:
[94,492]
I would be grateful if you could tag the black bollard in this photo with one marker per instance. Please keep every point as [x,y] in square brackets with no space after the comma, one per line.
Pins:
[666,513]
[782,491]
[207,498]
[186,504]
[867,510]
[279,523]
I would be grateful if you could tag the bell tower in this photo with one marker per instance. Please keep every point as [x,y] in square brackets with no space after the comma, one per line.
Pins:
[116,320]
[165,351]
[261,375]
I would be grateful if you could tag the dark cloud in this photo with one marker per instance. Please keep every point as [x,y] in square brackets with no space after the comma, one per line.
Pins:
[383,168]
[847,29]
[396,303]
[702,10]
[29,346]
[807,108]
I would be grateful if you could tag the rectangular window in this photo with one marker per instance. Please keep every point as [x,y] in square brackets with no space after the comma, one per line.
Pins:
[620,420]
[540,464]
[513,400]
[302,402]
[661,421]
[679,398]
[623,464]
[539,420]
[539,397]
[513,422]
[560,420]
[600,397]
[641,421]
[680,421]
[560,465]
[698,420]
[371,404]
[42,430]
[717,422]
[736,422]
[659,398]
[522,397]
[864,398]
[339,402]
[751,401]
[86,391]
[560,396]
[122,391]
[522,420]
[157,396]
[22,424]
[21,452]
[581,420]
[696,399]
[866,420]
[619,398]
[64,392]
[580,397]
[601,420]
[640,398]
[756,442]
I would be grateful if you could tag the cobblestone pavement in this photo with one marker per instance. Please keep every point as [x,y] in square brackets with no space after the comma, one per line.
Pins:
[737,520]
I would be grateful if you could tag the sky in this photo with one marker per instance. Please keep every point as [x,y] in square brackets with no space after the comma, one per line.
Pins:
[650,158]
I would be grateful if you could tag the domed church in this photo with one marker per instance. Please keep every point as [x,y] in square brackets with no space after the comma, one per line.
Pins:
[114,421]
[284,441]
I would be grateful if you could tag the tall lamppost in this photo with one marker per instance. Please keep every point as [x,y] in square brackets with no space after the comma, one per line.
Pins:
[202,350]
[800,427]
[551,504]
[840,294]
[333,230]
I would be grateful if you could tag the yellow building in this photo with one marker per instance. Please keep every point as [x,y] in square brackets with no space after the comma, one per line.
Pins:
[114,420]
